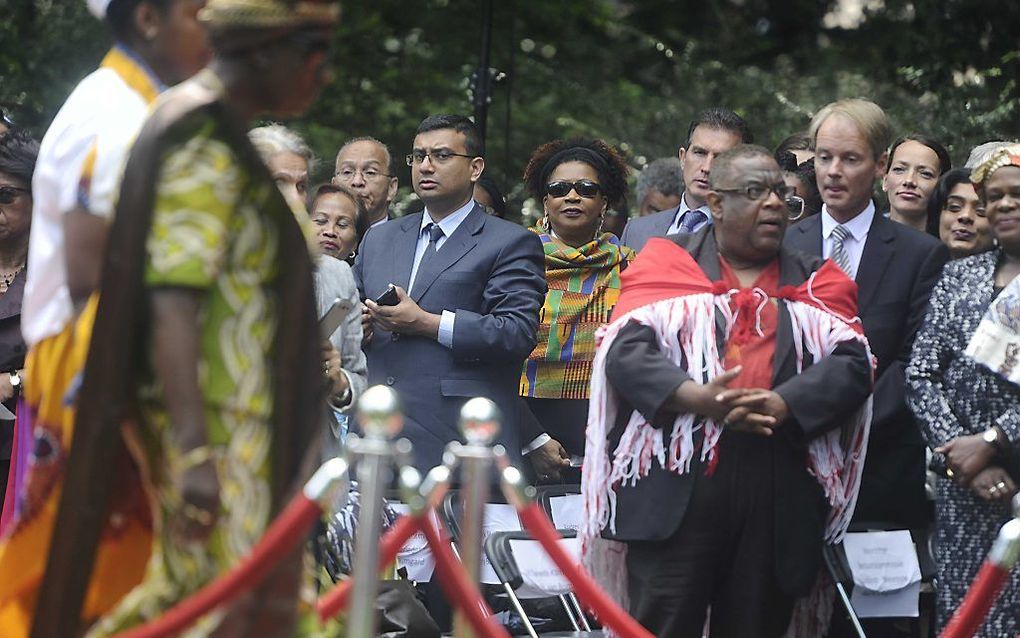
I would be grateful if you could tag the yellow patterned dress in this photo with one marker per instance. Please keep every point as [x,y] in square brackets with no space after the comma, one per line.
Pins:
[208,235]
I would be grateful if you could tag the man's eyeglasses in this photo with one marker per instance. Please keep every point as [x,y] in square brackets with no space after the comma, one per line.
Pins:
[369,174]
[758,192]
[583,187]
[440,156]
[10,193]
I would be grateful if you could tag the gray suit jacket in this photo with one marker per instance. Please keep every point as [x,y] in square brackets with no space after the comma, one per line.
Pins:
[333,280]
[491,273]
[639,230]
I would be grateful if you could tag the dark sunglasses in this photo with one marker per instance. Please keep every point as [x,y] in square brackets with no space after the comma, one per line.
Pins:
[10,193]
[583,187]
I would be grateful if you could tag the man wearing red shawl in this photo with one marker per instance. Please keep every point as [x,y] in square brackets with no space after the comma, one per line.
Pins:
[729,418]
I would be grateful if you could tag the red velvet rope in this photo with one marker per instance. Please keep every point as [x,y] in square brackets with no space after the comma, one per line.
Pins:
[456,585]
[334,602]
[608,612]
[980,597]
[286,532]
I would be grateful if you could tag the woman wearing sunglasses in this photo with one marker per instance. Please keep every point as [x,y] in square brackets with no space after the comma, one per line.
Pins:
[577,181]
[18,153]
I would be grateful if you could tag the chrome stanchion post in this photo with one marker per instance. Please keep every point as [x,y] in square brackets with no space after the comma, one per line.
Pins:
[479,424]
[381,420]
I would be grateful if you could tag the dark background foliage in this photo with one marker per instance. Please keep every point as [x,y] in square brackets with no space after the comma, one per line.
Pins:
[632,72]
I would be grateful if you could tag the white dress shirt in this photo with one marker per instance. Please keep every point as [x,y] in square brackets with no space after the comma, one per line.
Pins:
[80,161]
[682,210]
[858,228]
[448,225]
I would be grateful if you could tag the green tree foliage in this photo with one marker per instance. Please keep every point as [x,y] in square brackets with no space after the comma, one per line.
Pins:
[633,72]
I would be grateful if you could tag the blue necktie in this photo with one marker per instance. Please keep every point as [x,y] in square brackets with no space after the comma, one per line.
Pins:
[692,220]
[435,233]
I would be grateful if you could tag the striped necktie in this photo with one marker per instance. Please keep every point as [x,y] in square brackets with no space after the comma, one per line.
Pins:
[839,254]
[691,220]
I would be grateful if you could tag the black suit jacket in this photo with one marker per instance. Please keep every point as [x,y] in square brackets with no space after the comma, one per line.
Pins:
[898,269]
[644,377]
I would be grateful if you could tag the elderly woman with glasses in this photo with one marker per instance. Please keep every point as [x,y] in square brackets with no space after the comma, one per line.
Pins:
[577,181]
[962,385]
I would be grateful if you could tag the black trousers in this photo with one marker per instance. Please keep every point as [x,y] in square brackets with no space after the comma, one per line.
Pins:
[722,557]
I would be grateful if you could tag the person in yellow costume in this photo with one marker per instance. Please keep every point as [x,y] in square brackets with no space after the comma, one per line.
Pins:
[157,43]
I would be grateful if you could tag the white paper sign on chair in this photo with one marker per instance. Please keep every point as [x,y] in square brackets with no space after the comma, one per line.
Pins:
[887,576]
[542,578]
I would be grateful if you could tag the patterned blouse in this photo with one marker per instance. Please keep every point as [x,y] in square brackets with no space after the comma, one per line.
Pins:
[952,395]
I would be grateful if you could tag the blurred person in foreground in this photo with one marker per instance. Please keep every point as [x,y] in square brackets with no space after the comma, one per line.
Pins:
[962,221]
[365,165]
[158,43]
[711,132]
[18,152]
[289,160]
[715,453]
[575,180]
[212,330]
[915,164]
[964,388]
[659,186]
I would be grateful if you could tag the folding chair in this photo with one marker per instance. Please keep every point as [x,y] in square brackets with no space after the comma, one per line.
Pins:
[500,547]
[838,566]
[562,504]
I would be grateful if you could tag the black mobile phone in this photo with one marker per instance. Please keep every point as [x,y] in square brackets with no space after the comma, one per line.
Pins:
[388,298]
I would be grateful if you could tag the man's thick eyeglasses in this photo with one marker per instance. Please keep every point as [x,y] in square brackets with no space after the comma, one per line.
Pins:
[440,156]
[758,192]
[370,174]
[583,187]
[10,193]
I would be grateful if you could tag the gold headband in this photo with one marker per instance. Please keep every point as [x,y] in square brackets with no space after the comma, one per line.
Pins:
[268,14]
[1005,156]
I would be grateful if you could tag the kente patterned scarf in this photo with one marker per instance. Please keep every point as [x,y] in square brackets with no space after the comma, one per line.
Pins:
[584,285]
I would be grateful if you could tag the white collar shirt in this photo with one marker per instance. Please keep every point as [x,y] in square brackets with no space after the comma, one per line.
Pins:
[682,210]
[853,245]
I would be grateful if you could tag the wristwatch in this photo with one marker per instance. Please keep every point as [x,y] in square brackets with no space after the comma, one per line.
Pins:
[342,400]
[15,378]
[992,437]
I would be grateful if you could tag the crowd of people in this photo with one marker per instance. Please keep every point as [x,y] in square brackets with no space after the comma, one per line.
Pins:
[758,361]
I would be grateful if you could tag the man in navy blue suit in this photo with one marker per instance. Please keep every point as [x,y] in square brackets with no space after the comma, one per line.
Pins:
[469,287]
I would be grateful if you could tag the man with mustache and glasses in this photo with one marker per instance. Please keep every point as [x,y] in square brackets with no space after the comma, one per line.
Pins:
[713,131]
[717,456]
[365,166]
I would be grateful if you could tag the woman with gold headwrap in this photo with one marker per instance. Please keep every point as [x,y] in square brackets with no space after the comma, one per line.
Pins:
[964,388]
[206,330]
[158,43]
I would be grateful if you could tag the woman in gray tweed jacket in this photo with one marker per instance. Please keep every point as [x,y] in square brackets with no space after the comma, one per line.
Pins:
[969,413]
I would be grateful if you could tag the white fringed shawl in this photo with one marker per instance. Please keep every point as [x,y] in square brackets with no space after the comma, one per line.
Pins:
[685,328]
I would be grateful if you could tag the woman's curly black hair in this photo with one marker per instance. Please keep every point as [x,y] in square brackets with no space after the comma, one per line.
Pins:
[612,169]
